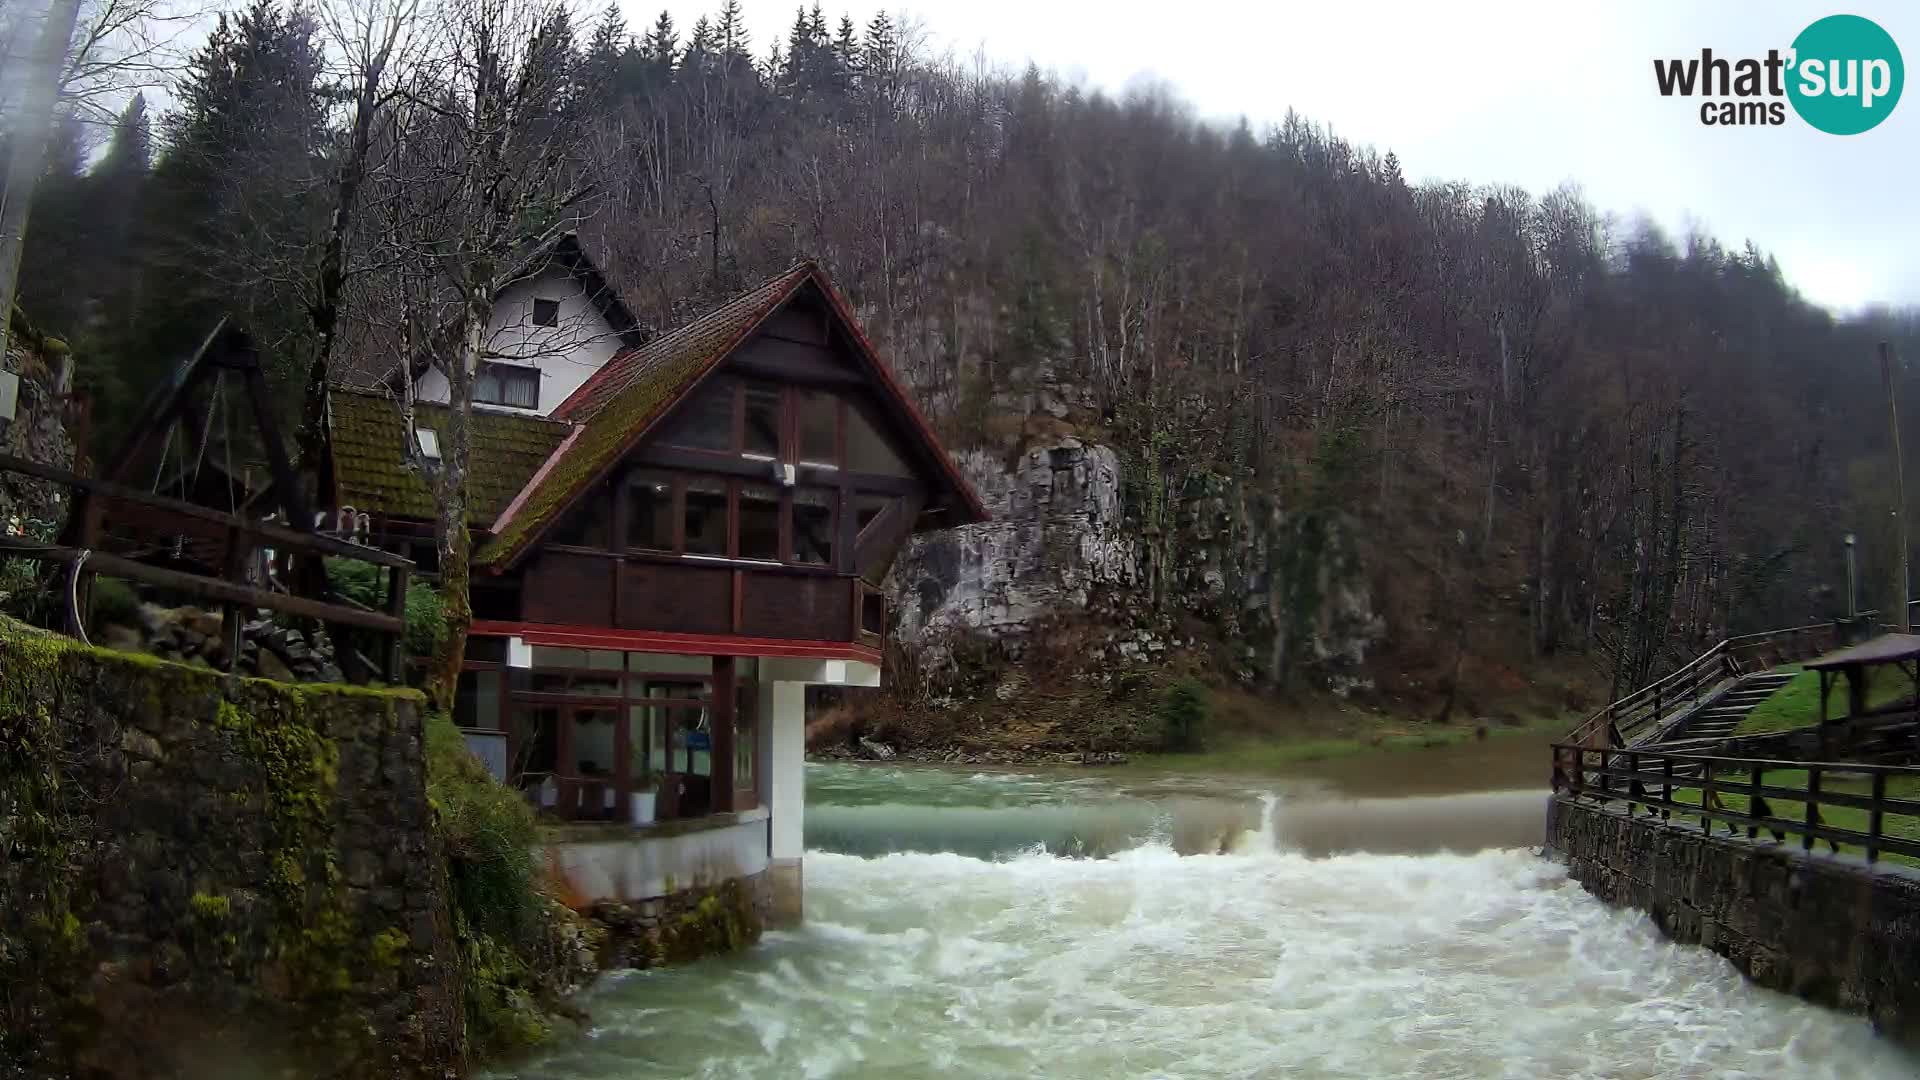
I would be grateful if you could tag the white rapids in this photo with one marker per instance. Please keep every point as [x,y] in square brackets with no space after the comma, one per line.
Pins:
[1258,963]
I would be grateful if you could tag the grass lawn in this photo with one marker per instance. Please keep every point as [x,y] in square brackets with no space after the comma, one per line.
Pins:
[1797,704]
[1265,754]
[1839,817]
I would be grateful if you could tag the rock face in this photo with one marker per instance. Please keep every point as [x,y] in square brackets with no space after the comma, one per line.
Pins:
[36,433]
[1057,542]
[1267,592]
[1834,932]
[219,877]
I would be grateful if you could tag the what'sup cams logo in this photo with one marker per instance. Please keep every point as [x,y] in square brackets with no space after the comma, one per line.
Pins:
[1843,75]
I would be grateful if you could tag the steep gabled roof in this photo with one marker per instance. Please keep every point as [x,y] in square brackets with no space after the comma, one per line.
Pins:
[368,438]
[703,340]
[622,401]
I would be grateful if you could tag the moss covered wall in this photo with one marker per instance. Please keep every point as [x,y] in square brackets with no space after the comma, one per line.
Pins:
[212,877]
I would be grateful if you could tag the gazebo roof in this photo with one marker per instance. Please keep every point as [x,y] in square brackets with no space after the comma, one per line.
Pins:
[1885,649]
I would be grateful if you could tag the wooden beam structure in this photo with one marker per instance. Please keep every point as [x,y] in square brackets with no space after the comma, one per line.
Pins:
[204,587]
[270,532]
[238,539]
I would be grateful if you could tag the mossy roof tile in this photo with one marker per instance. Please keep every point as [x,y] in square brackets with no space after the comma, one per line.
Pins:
[370,462]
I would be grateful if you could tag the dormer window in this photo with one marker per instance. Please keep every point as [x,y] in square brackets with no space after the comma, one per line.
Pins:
[546,312]
[507,384]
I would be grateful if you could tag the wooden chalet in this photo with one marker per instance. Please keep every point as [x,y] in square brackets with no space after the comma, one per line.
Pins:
[666,556]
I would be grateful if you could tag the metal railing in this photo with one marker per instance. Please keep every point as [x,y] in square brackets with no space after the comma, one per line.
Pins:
[1735,793]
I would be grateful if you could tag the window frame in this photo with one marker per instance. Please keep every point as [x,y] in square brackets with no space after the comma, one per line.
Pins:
[519,371]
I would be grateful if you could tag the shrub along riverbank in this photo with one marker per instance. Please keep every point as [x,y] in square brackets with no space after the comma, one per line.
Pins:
[523,953]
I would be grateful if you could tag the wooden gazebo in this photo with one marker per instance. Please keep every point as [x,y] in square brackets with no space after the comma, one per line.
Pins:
[1901,651]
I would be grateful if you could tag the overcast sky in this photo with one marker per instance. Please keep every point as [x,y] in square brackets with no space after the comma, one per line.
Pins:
[1497,91]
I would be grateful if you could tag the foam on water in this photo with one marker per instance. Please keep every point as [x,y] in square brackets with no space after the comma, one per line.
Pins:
[1260,963]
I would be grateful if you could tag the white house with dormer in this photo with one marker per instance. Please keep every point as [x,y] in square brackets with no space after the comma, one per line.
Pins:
[550,332]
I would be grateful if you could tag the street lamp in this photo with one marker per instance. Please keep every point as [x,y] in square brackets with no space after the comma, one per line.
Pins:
[1851,592]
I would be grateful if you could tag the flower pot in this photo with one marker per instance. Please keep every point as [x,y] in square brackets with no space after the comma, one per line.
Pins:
[642,804]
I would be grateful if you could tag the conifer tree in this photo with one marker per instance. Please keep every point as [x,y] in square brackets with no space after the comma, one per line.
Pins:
[846,48]
[600,67]
[730,33]
[792,68]
[700,48]
[879,61]
[232,191]
[661,46]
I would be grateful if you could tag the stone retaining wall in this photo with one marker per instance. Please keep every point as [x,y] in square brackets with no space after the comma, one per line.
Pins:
[215,877]
[1829,929]
[684,925]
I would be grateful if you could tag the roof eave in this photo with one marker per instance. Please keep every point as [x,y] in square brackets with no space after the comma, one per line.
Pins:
[975,510]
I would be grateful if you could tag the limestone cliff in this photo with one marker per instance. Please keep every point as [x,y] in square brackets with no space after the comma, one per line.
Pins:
[1073,579]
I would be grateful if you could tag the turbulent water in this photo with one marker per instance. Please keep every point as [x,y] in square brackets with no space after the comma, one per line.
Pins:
[999,925]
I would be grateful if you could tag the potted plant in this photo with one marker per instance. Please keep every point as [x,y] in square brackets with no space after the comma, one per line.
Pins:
[642,799]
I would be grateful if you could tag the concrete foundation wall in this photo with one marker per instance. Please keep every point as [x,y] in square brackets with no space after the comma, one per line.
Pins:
[621,864]
[1829,929]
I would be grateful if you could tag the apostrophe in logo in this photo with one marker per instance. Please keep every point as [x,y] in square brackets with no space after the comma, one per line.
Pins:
[1843,75]
[1847,74]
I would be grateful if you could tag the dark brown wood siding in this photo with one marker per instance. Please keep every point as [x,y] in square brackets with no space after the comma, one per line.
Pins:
[817,608]
[564,587]
[679,597]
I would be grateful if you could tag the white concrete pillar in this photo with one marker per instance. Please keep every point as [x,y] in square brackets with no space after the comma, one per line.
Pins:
[783,711]
[785,706]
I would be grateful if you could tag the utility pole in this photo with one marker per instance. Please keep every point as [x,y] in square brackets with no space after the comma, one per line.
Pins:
[1905,623]
[30,151]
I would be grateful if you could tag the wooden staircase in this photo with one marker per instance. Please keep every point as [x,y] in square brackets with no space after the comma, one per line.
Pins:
[1710,694]
[1719,715]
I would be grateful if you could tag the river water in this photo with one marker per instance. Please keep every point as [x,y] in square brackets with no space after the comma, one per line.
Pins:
[1078,925]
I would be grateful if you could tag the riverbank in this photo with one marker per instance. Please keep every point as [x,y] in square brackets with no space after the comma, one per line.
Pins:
[1128,717]
[1245,734]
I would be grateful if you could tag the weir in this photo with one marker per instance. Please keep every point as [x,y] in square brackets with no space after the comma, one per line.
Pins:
[1418,945]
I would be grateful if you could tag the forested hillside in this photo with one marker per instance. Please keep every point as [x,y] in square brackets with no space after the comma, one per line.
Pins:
[1530,426]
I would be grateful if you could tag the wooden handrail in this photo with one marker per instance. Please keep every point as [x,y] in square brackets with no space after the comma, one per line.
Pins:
[238,538]
[212,588]
[1645,708]
[1649,778]
[271,532]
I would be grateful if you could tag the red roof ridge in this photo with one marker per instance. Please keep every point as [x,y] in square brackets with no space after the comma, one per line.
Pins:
[539,474]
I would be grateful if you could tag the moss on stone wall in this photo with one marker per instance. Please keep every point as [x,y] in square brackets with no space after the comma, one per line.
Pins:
[40,936]
[202,867]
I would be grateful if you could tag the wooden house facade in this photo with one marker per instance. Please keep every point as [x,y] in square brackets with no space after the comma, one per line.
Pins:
[665,559]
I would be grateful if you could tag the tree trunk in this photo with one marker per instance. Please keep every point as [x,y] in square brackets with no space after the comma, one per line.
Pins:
[30,156]
[455,545]
[330,277]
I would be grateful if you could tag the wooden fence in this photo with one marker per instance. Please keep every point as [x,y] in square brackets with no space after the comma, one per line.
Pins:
[1735,793]
[114,530]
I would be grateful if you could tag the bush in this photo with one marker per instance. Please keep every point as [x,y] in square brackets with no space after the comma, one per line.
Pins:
[366,584]
[1184,712]
[489,831]
[114,601]
[499,911]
